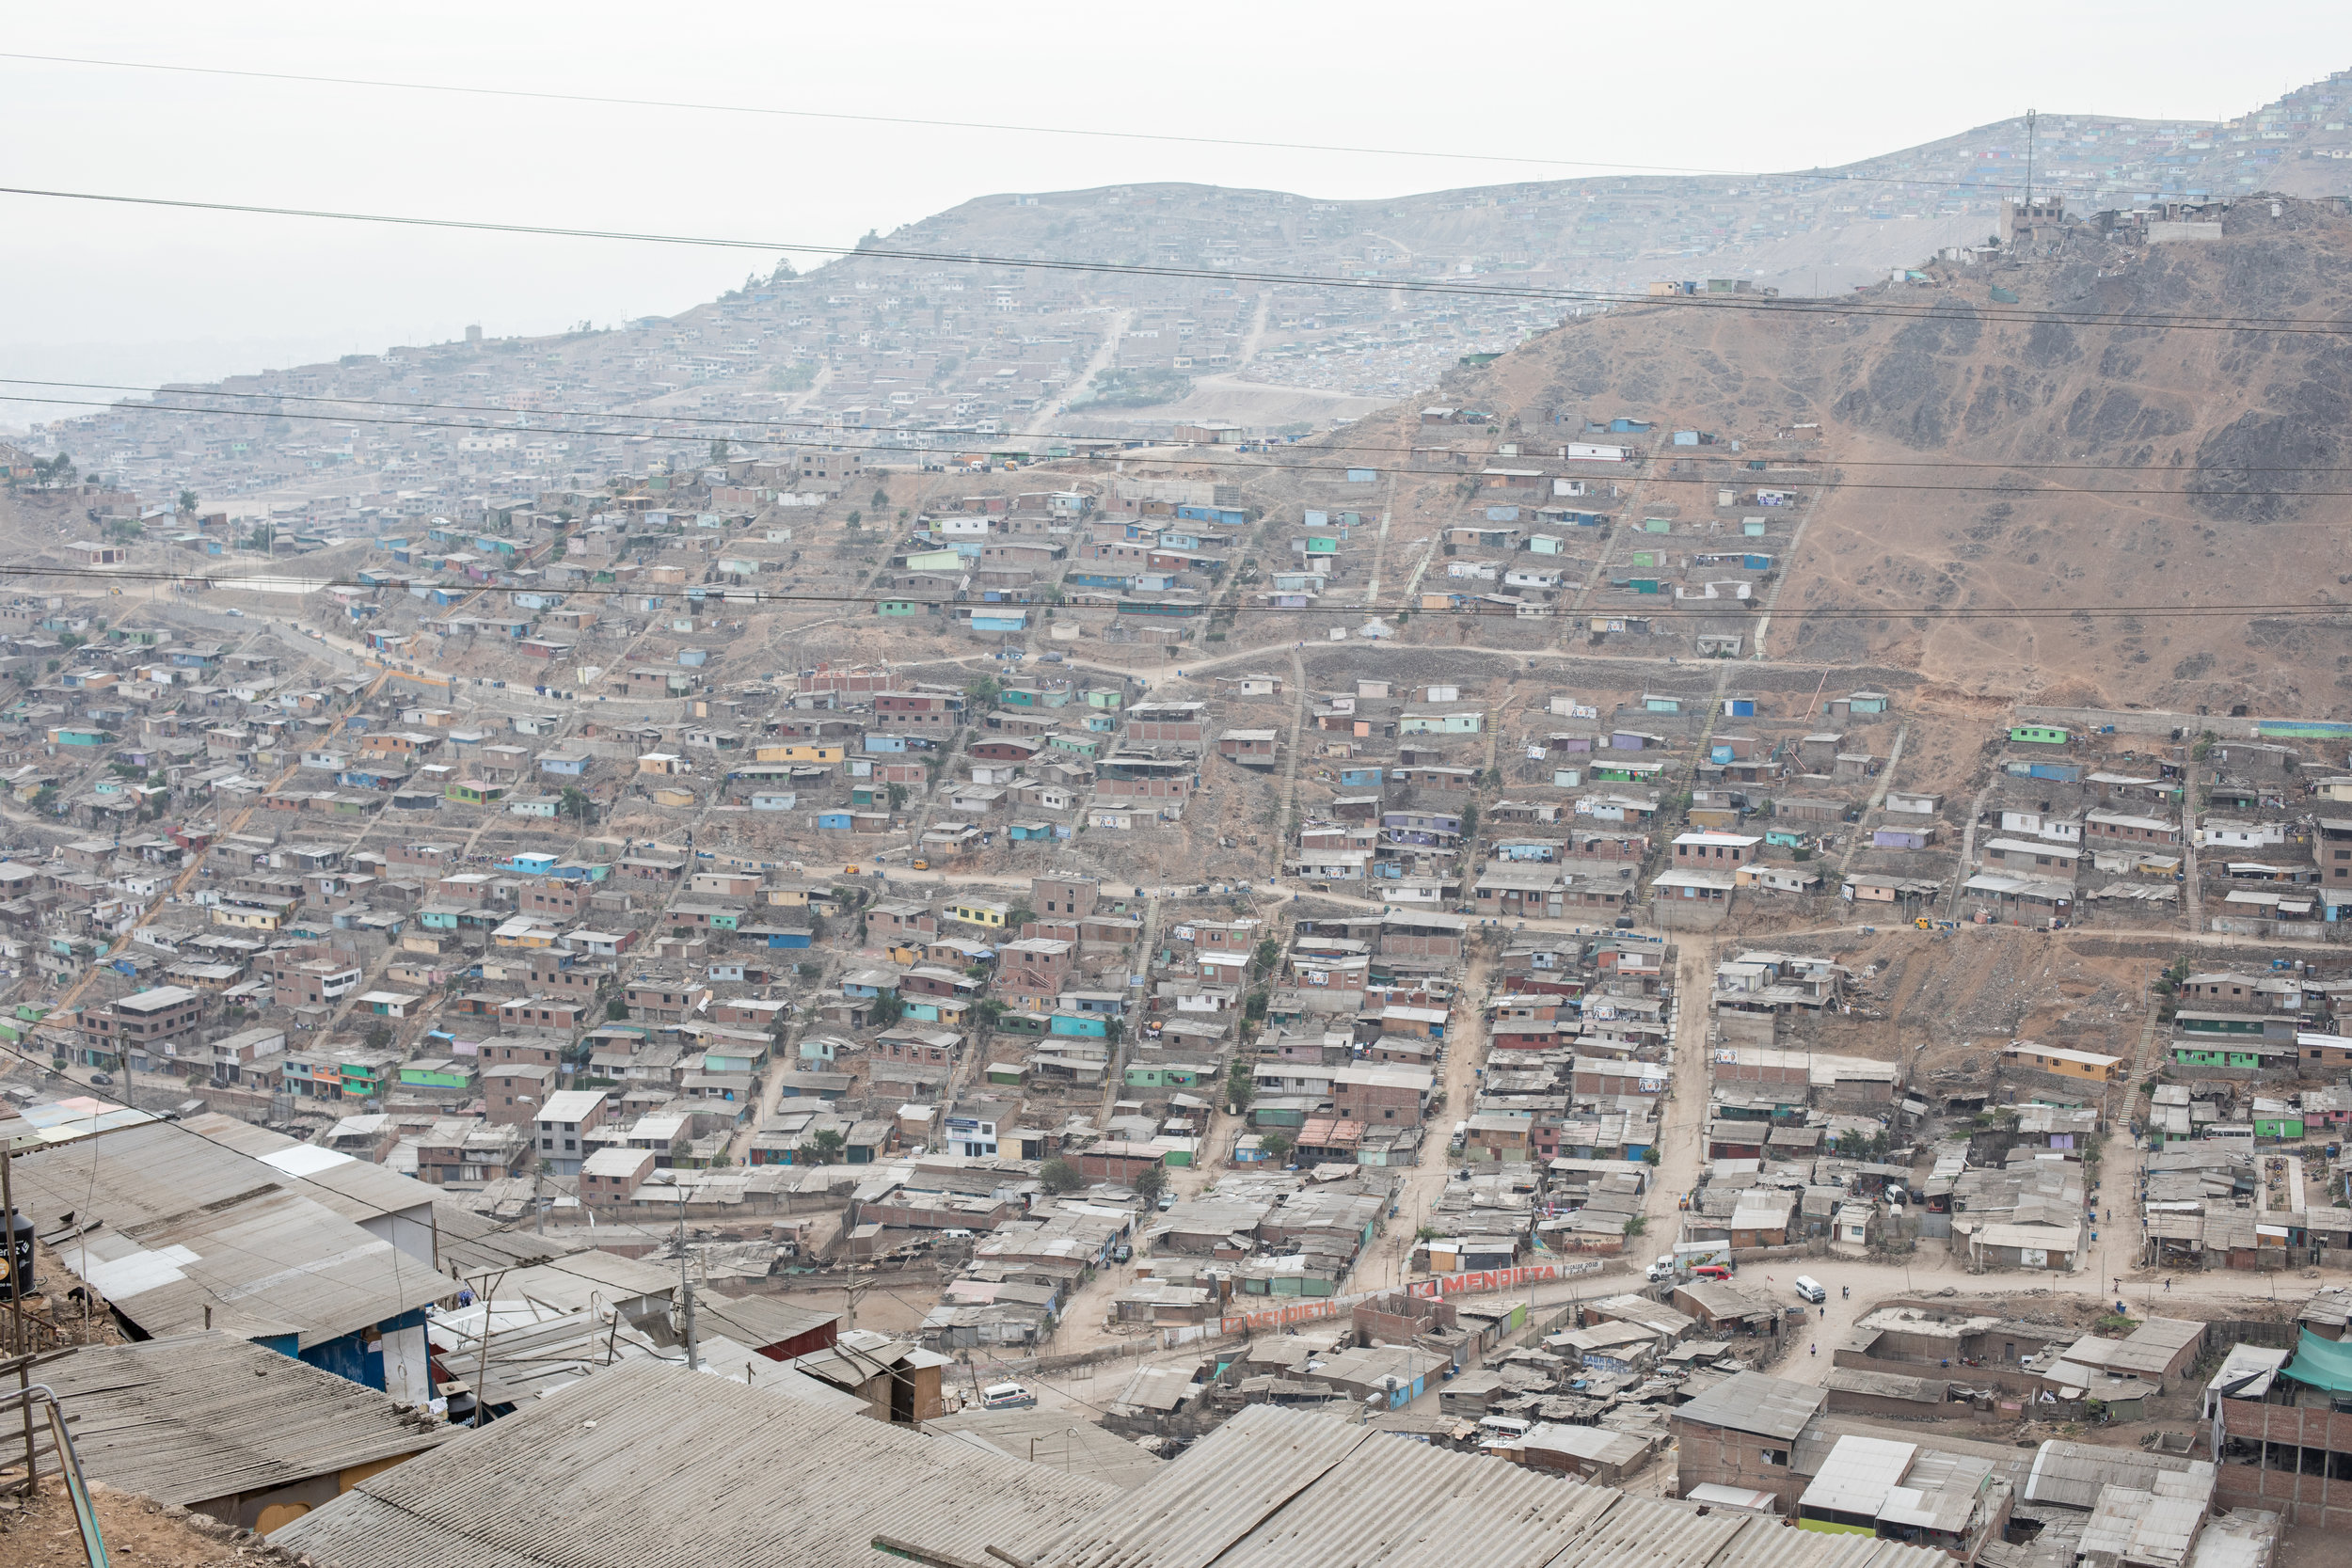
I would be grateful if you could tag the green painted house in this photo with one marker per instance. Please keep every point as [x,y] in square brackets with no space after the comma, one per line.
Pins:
[2036,735]
[2185,1054]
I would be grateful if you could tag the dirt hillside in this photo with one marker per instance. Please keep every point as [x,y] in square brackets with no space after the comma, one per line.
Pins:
[1975,452]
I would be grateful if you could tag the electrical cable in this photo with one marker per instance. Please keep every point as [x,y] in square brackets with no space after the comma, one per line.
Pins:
[1255,462]
[1717,455]
[1950,311]
[1824,177]
[1697,607]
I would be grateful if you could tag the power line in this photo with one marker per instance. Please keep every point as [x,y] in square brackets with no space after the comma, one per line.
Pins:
[1719,456]
[1697,607]
[1254,461]
[1822,176]
[1953,311]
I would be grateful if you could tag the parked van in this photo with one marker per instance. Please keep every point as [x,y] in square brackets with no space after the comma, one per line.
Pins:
[1810,1289]
[1006,1396]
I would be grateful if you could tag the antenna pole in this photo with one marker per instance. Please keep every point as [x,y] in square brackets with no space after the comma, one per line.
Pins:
[686,1287]
[2029,151]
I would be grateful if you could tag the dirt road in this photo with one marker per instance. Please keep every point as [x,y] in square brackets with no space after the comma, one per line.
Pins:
[1682,1119]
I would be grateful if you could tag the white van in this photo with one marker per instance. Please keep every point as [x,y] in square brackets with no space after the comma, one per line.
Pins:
[1810,1289]
[1006,1396]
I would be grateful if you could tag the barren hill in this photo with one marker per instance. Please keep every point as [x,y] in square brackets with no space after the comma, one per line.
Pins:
[1970,455]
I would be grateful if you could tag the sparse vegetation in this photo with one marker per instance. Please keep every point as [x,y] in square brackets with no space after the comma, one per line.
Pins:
[1132,388]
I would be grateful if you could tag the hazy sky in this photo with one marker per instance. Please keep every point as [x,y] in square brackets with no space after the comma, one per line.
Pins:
[101,293]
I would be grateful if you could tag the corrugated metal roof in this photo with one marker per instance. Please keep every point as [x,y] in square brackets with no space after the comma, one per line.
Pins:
[1399,1504]
[1754,1402]
[267,1261]
[1231,1481]
[353,1188]
[1643,1532]
[1858,1474]
[198,1417]
[652,1467]
[187,1222]
[2071,1474]
[1056,1438]
[1770,1545]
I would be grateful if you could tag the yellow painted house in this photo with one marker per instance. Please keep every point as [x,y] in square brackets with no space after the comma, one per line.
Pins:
[979,912]
[2066,1064]
[801,751]
[244,918]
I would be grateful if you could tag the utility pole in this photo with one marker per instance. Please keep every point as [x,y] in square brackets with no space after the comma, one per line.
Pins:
[2030,117]
[686,1287]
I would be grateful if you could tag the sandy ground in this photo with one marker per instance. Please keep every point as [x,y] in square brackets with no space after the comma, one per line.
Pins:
[136,1532]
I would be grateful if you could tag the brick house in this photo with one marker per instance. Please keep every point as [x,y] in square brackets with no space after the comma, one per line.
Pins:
[512,1092]
[1381,1096]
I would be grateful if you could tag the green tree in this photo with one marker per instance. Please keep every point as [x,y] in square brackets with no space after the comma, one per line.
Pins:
[187,501]
[615,1010]
[719,449]
[378,1036]
[981,695]
[825,1147]
[1018,916]
[897,796]
[1650,1156]
[575,802]
[1150,1182]
[885,1011]
[1268,954]
[881,498]
[1254,1008]
[857,519]
[1275,1145]
[1061,1176]
[1638,1223]
[1240,1086]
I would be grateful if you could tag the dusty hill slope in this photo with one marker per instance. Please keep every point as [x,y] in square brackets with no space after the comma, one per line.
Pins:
[1976,459]
[1795,229]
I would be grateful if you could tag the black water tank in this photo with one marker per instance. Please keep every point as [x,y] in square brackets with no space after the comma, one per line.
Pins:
[16,1277]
